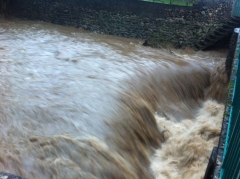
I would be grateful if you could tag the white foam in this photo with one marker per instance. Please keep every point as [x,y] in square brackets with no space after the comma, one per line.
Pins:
[189,143]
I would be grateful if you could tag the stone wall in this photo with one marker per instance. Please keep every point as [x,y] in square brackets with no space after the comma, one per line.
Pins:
[3,7]
[157,23]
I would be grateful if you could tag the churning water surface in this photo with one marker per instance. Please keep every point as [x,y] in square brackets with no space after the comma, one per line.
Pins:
[76,104]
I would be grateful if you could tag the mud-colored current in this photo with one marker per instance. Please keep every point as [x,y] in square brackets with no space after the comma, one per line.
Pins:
[75,104]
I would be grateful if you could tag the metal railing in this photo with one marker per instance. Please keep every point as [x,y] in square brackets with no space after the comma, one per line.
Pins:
[231,156]
[236,9]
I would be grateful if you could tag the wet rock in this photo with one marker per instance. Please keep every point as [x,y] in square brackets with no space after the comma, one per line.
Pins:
[205,8]
[4,175]
[145,43]
[203,13]
[84,26]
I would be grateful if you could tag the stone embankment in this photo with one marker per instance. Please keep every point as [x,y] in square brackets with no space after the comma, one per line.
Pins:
[156,23]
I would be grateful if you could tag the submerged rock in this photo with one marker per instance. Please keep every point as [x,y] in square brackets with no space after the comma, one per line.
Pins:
[4,175]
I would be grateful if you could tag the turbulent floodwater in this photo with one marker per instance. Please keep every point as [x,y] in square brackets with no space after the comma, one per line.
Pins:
[76,104]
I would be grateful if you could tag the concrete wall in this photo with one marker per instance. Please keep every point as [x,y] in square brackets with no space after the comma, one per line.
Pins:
[157,23]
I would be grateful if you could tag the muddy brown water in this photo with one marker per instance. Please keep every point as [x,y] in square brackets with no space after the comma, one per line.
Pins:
[75,104]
